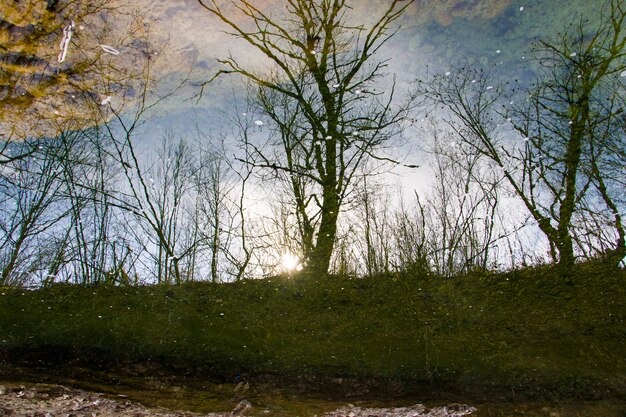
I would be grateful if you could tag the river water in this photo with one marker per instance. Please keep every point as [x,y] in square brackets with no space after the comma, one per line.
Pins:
[275,397]
[39,89]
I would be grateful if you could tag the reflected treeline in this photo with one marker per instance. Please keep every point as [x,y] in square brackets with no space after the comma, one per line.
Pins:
[518,175]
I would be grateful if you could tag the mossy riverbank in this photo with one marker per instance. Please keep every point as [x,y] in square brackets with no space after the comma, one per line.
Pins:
[527,332]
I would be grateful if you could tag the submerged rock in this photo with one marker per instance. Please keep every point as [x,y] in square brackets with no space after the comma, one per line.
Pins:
[58,401]
[419,410]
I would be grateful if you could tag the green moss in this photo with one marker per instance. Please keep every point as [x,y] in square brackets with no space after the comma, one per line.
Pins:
[524,329]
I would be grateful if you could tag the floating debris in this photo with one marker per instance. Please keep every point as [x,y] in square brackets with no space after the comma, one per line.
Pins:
[68,31]
[110,50]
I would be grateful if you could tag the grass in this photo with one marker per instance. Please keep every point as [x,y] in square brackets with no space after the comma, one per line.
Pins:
[529,331]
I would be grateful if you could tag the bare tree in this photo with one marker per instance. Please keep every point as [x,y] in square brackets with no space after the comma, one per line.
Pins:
[321,98]
[30,209]
[411,239]
[375,218]
[567,122]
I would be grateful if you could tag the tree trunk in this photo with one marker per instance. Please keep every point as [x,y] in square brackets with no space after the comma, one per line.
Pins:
[319,262]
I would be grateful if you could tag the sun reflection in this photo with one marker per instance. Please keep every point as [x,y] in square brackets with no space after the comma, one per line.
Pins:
[291,262]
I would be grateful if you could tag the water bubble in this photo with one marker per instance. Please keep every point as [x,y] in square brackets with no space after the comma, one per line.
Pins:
[623,74]
[521,9]
[498,51]
[259,123]
[447,73]
[573,54]
[489,87]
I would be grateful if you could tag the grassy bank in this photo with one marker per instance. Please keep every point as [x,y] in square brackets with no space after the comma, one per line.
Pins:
[527,330]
